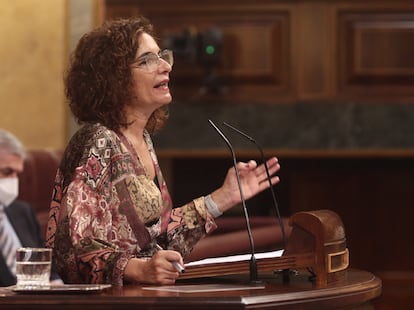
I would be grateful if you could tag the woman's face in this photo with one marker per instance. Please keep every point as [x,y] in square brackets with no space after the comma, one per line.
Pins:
[150,80]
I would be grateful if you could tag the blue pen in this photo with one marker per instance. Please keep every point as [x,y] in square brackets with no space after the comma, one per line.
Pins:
[177,266]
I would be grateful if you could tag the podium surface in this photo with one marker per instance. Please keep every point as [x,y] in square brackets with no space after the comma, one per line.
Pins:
[355,289]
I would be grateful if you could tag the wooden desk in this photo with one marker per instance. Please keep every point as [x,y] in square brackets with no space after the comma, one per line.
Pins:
[359,288]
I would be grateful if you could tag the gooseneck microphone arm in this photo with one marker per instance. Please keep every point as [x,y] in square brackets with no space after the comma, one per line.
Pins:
[253,263]
[275,204]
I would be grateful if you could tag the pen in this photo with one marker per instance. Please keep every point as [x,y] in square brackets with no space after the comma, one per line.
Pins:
[177,266]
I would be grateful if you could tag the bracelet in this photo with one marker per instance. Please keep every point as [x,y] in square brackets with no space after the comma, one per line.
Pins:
[212,207]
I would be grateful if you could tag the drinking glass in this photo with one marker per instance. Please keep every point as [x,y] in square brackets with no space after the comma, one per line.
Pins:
[33,267]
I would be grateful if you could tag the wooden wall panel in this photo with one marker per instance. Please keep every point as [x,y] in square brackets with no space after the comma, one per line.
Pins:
[313,37]
[375,205]
[376,49]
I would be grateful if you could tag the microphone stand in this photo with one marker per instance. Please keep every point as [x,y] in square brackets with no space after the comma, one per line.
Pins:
[253,262]
[275,204]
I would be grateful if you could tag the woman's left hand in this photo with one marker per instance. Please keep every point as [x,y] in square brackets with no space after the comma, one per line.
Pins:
[253,180]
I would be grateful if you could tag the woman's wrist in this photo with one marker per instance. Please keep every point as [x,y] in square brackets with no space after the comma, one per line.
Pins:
[222,200]
[134,270]
[212,206]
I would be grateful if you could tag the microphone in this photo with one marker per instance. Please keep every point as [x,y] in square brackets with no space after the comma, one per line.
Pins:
[285,272]
[253,262]
[275,204]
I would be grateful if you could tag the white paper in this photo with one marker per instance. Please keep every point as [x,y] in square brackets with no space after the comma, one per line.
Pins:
[234,258]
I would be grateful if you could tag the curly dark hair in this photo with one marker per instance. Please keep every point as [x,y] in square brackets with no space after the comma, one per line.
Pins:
[99,82]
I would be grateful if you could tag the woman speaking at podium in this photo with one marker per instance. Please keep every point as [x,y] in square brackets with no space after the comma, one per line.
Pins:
[111,211]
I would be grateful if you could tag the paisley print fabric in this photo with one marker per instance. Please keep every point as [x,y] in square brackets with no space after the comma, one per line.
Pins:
[105,210]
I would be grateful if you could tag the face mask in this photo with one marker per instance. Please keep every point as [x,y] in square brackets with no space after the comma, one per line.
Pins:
[9,190]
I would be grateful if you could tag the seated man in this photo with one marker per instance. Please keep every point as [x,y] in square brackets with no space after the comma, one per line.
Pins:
[19,226]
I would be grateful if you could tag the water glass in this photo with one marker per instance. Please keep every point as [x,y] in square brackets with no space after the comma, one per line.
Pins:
[33,267]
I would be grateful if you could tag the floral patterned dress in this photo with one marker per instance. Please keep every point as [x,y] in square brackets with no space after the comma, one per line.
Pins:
[105,210]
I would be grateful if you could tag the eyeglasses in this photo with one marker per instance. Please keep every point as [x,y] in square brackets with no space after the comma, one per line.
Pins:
[151,61]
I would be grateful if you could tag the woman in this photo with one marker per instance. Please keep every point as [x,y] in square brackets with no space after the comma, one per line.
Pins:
[111,207]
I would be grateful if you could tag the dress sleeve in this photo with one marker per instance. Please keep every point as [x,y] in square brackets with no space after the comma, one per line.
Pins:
[189,224]
[87,242]
[98,256]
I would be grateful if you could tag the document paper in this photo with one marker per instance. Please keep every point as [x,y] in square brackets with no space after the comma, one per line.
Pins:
[234,258]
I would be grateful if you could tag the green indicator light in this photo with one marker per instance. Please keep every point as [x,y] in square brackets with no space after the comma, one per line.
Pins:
[210,49]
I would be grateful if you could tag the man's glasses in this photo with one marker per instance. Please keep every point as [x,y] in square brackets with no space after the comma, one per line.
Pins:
[151,61]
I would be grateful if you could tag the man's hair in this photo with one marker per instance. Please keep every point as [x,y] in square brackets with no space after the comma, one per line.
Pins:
[11,145]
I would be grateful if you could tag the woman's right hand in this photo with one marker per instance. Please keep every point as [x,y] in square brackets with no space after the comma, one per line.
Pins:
[157,270]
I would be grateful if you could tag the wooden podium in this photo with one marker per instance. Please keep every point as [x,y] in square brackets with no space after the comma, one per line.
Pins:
[317,243]
[322,235]
[355,292]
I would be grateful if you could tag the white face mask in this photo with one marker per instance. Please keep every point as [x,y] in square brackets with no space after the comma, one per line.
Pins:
[9,190]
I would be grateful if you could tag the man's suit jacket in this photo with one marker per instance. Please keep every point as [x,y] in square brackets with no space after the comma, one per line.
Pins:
[23,219]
